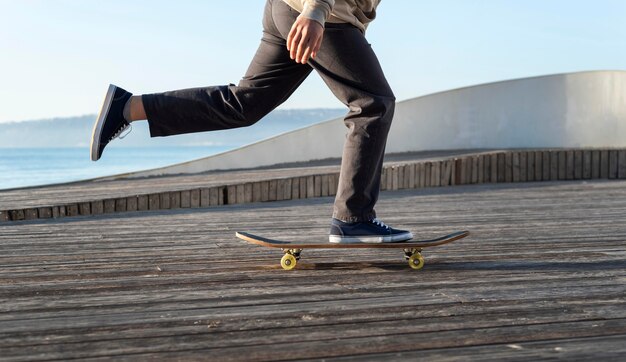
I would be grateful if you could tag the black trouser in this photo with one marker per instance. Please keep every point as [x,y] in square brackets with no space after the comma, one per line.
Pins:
[348,65]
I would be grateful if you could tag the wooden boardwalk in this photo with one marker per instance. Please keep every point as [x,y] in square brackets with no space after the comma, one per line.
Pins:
[542,277]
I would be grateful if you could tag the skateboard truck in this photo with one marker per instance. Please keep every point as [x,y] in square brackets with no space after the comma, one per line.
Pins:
[290,259]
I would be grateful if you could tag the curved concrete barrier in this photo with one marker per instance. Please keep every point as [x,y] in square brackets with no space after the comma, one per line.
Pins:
[586,109]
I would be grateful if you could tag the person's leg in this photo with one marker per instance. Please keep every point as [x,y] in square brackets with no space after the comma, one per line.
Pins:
[348,65]
[271,77]
[350,68]
[134,109]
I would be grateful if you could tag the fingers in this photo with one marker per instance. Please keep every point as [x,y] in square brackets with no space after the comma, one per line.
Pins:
[293,38]
[304,40]
[316,47]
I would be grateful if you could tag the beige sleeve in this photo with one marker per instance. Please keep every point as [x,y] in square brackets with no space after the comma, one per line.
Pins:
[318,10]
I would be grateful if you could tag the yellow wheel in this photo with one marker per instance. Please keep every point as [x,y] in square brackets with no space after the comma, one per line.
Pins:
[416,261]
[288,261]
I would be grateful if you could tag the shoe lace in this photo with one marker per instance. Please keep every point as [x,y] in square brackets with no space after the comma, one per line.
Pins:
[118,133]
[380,223]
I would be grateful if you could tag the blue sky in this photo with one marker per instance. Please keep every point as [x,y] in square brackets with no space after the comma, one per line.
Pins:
[58,56]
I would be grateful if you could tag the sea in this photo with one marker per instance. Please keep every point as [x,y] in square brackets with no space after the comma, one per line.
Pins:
[25,167]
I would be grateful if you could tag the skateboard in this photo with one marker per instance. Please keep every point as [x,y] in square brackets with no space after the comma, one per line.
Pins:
[292,250]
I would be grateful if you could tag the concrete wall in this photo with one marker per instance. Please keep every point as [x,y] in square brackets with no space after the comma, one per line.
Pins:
[586,109]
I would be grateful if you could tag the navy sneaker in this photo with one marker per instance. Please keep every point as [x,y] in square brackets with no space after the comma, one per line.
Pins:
[374,231]
[110,122]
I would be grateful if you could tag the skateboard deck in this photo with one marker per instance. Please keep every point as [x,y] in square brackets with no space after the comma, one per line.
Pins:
[292,250]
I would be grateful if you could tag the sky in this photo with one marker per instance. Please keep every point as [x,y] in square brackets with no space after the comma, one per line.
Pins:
[57,57]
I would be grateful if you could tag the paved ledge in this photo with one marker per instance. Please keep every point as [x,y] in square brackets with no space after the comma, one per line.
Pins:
[318,179]
[540,278]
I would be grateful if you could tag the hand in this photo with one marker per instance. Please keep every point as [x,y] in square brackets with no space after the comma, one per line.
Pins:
[305,39]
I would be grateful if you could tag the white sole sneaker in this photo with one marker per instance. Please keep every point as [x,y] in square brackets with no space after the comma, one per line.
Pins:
[377,239]
[97,127]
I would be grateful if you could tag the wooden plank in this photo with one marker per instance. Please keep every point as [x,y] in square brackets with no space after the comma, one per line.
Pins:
[265,191]
[142,203]
[221,194]
[120,205]
[240,194]
[240,191]
[587,168]
[401,182]
[84,208]
[595,164]
[383,179]
[418,175]
[487,168]
[303,188]
[153,202]
[214,196]
[44,212]
[604,164]
[468,169]
[446,174]
[481,169]
[4,216]
[310,187]
[195,198]
[205,197]
[325,191]
[555,166]
[621,168]
[406,176]
[256,191]
[435,174]
[570,165]
[317,180]
[501,167]
[97,207]
[508,167]
[280,189]
[516,165]
[231,195]
[613,164]
[474,171]
[295,188]
[578,165]
[412,182]
[164,200]
[333,182]
[394,178]
[30,214]
[523,166]
[458,171]
[562,161]
[185,199]
[273,190]
[427,173]
[131,204]
[464,178]
[538,166]
[389,178]
[17,215]
[493,164]
[72,210]
[530,166]
[287,189]
[547,167]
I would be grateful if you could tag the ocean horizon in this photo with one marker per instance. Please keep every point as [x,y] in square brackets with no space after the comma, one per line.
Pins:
[27,167]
